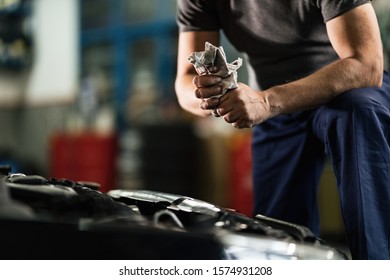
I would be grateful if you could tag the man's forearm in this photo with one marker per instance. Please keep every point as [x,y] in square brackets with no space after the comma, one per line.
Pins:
[322,86]
[355,37]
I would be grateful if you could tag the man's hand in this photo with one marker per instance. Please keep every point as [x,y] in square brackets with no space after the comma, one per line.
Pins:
[242,107]
[190,42]
[208,89]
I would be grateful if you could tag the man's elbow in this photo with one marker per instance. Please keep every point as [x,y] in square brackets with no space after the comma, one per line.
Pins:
[181,95]
[376,78]
[375,74]
[178,90]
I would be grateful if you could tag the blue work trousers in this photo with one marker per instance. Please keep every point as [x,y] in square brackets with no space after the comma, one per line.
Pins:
[289,153]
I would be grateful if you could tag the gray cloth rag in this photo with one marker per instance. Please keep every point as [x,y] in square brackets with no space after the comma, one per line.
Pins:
[214,56]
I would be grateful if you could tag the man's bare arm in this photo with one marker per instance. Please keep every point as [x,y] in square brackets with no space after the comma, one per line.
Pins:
[185,89]
[355,37]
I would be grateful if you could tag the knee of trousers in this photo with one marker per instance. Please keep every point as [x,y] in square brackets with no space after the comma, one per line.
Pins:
[357,112]
[361,100]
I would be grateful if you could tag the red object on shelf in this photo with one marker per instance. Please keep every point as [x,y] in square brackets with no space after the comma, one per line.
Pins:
[84,157]
[241,193]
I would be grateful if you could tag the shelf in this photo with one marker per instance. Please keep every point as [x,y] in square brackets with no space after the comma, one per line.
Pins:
[119,28]
[15,41]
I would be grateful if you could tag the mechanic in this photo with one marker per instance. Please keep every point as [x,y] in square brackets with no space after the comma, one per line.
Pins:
[316,87]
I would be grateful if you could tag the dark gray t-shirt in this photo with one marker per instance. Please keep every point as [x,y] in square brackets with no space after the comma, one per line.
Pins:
[284,40]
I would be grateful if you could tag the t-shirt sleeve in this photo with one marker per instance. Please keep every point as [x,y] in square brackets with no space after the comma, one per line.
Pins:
[334,8]
[197,15]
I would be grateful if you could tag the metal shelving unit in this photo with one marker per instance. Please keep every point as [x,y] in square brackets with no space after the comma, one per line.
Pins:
[117,27]
[15,38]
[132,46]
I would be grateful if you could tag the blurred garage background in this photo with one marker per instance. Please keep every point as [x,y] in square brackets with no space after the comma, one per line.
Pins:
[86,93]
